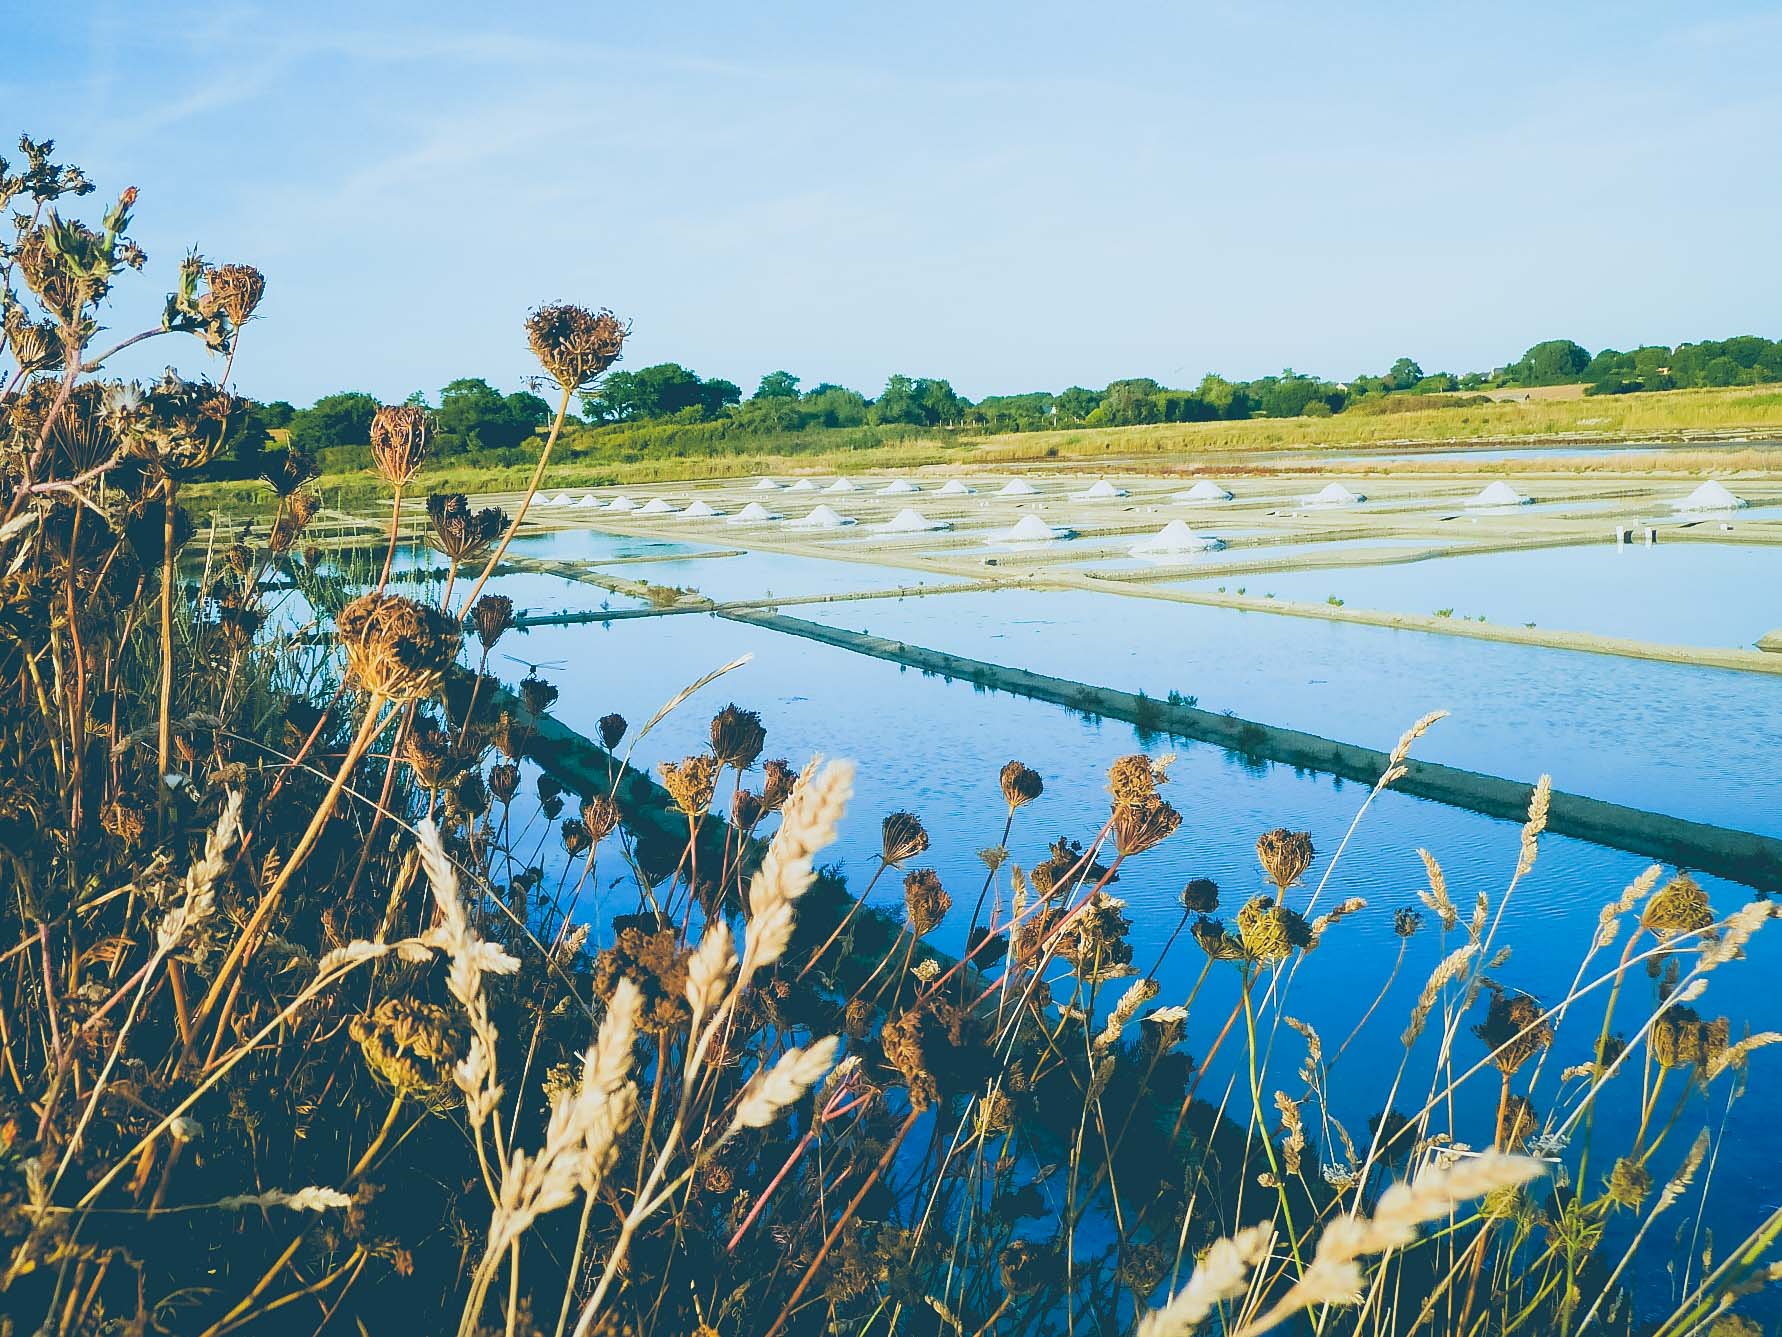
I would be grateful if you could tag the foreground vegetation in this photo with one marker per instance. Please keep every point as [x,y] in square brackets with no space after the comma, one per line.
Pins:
[300,1030]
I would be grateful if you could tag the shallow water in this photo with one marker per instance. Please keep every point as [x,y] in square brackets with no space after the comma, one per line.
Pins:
[757,575]
[1681,593]
[934,747]
[1670,738]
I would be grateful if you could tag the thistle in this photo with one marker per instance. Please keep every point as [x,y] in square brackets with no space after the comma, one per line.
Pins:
[399,436]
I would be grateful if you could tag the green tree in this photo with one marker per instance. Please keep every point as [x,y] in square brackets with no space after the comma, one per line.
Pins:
[474,416]
[1076,403]
[1553,362]
[777,385]
[1404,374]
[342,419]
[898,402]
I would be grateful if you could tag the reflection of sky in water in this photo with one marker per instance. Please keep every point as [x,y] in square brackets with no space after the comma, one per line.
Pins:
[755,575]
[934,747]
[1665,737]
[1682,593]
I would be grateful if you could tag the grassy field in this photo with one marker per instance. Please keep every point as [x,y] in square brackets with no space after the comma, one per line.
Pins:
[1675,413]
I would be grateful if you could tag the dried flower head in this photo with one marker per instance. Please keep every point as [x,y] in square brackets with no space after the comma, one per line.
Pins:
[1406,921]
[430,754]
[537,695]
[1629,1183]
[412,1046]
[746,809]
[576,840]
[1024,1267]
[601,816]
[575,345]
[1144,824]
[925,901]
[234,290]
[1200,896]
[612,730]
[287,471]
[1285,855]
[504,781]
[1680,906]
[399,436]
[461,534]
[777,782]
[737,737]
[1515,1029]
[691,782]
[396,648]
[1021,785]
[902,836]
[1681,1039]
[1270,931]
[490,618]
[1131,779]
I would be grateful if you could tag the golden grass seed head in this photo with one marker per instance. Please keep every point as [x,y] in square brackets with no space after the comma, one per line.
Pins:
[399,437]
[901,836]
[396,648]
[1021,785]
[1285,855]
[575,345]
[925,901]
[737,737]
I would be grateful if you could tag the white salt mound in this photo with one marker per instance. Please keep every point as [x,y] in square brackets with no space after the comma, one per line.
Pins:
[1173,540]
[908,521]
[1102,491]
[1333,494]
[954,488]
[752,514]
[1020,487]
[1499,494]
[769,485]
[803,485]
[1031,529]
[1205,490]
[657,506]
[621,504]
[1711,496]
[897,487]
[823,518]
[700,510]
[587,503]
[843,485]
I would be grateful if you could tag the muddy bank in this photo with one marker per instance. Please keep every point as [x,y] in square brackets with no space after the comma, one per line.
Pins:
[1740,856]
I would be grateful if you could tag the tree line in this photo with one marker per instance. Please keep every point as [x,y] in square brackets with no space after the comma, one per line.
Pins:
[475,418]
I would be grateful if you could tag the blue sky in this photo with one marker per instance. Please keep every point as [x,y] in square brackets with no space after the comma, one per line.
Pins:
[1011,195]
